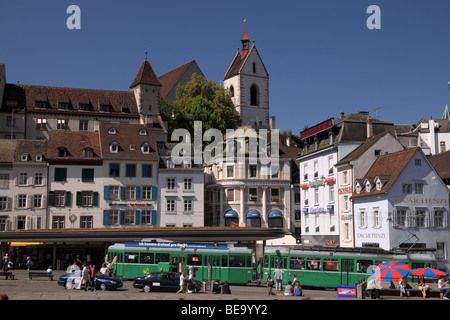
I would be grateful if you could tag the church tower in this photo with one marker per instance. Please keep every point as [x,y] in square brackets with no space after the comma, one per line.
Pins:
[247,82]
[146,88]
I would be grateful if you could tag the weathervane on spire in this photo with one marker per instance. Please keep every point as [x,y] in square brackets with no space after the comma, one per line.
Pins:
[145,53]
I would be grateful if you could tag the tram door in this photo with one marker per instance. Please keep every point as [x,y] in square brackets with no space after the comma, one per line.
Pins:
[211,267]
[346,269]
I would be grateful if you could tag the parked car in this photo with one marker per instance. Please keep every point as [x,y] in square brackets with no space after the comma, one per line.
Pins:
[102,282]
[161,281]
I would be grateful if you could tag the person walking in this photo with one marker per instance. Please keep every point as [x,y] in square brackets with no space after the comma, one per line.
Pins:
[92,277]
[85,277]
[278,275]
[182,283]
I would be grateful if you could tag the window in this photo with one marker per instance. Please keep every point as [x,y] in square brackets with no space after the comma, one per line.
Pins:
[10,121]
[316,196]
[63,105]
[143,132]
[145,148]
[113,217]
[62,124]
[129,217]
[362,219]
[21,222]
[253,194]
[114,169]
[58,222]
[170,206]
[439,219]
[187,184]
[59,199]
[230,171]
[86,222]
[170,183]
[316,170]
[330,264]
[419,218]
[254,67]
[232,91]
[400,218]
[22,201]
[83,125]
[331,193]
[230,194]
[418,188]
[62,152]
[23,179]
[114,147]
[83,106]
[104,107]
[188,206]
[40,104]
[146,217]
[41,124]
[4,204]
[130,170]
[38,179]
[275,195]
[146,193]
[130,193]
[114,192]
[253,95]
[407,188]
[87,198]
[37,201]
[88,153]
[418,162]
[376,218]
[4,181]
[147,170]
[87,175]
[253,171]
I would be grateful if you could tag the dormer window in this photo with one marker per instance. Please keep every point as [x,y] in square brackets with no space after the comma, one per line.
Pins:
[40,104]
[39,158]
[83,107]
[145,148]
[114,147]
[368,186]
[24,157]
[358,188]
[378,185]
[104,108]
[143,132]
[112,131]
[63,105]
[62,152]
[88,153]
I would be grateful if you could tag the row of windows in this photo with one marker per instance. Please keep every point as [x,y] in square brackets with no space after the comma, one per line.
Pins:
[129,217]
[61,198]
[115,192]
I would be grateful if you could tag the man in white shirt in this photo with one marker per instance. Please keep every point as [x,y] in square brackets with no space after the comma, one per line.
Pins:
[442,288]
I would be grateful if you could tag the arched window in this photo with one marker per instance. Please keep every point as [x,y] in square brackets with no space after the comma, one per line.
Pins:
[253,95]
[231,91]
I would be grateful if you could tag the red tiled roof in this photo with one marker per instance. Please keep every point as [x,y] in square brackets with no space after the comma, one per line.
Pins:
[146,75]
[75,143]
[169,79]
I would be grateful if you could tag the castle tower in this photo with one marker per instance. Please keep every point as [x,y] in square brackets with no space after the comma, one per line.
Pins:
[247,82]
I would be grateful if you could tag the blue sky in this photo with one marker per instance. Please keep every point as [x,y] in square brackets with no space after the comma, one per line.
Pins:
[320,55]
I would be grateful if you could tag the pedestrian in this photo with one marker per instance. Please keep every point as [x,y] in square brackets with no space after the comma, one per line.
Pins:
[50,272]
[85,276]
[191,269]
[403,284]
[226,288]
[294,280]
[103,269]
[442,288]
[28,263]
[92,277]
[182,283]
[423,287]
[298,289]
[289,289]
[269,285]
[6,262]
[191,286]
[278,275]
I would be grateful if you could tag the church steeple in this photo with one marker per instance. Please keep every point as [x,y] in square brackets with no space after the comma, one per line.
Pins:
[245,41]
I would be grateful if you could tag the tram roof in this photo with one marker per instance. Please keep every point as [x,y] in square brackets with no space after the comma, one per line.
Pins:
[173,246]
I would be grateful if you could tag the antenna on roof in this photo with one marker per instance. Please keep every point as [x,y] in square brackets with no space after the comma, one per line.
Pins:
[376,111]
[145,53]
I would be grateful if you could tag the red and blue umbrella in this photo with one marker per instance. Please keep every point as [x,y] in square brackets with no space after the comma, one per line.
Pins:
[428,272]
[391,271]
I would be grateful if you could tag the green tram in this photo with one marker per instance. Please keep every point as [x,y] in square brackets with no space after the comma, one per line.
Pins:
[210,261]
[327,268]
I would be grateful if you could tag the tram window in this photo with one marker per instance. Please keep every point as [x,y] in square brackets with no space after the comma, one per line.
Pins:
[313,263]
[237,261]
[278,261]
[330,265]
[266,261]
[194,259]
[417,265]
[249,261]
[363,265]
[148,258]
[162,257]
[298,263]
[224,261]
[131,257]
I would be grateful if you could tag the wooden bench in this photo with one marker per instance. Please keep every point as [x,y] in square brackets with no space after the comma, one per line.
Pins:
[7,274]
[42,274]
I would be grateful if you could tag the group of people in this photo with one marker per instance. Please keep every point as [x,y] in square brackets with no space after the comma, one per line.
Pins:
[374,288]
[187,284]
[293,288]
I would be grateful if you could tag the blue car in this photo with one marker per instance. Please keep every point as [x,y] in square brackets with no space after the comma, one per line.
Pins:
[102,282]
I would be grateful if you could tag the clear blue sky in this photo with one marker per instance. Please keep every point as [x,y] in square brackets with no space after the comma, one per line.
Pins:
[321,57]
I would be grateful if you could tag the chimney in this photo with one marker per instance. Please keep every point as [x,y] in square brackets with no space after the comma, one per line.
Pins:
[369,127]
[341,115]
[272,122]
[2,83]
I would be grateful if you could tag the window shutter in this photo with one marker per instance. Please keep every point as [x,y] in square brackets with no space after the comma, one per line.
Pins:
[51,198]
[106,192]
[138,192]
[68,198]
[153,221]
[122,217]
[79,200]
[95,199]
[137,218]
[154,192]
[123,195]
[105,217]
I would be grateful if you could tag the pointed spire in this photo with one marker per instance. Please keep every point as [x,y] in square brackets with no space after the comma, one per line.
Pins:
[245,41]
[146,75]
[446,115]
